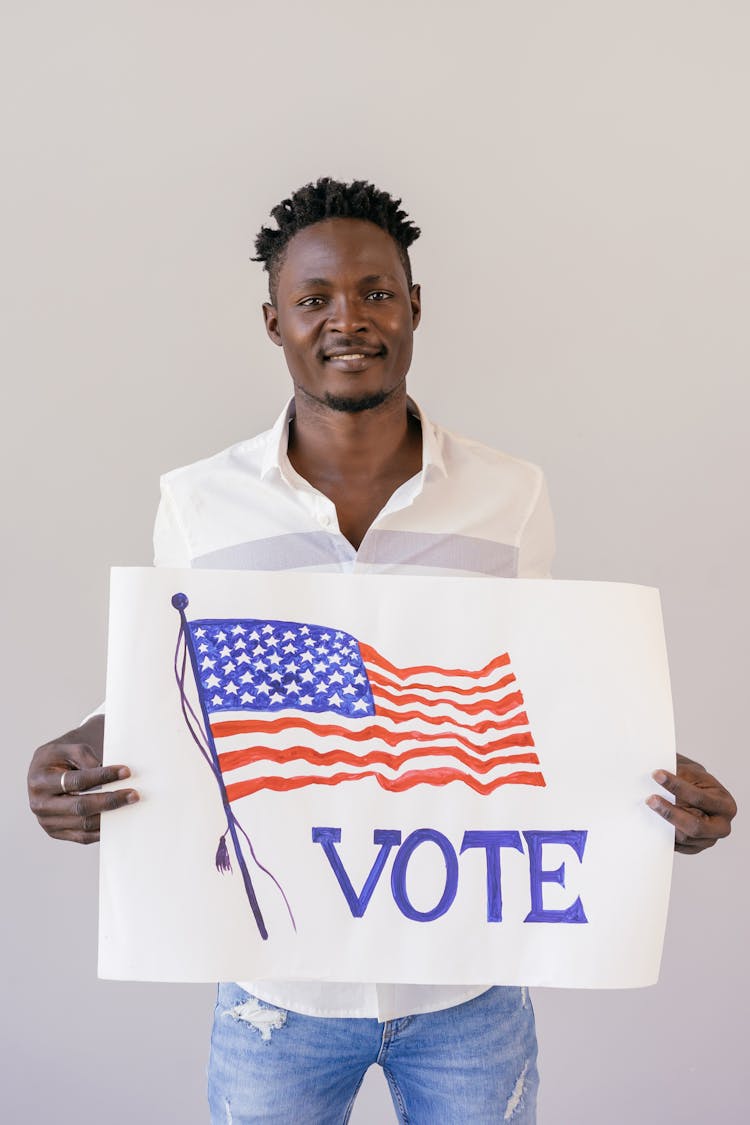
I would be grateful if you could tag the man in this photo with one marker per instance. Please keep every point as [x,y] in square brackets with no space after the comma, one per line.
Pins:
[354,478]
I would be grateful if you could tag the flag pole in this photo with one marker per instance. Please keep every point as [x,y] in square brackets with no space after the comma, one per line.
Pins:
[180,603]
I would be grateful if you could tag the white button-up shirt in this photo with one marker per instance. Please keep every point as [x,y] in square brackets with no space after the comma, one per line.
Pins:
[469,511]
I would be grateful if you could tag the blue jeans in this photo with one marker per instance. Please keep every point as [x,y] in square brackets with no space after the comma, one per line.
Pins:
[466,1065]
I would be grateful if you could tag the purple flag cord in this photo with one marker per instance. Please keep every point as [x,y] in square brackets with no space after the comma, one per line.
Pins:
[205,743]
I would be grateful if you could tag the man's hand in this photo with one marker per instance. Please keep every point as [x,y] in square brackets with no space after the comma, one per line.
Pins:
[73,813]
[702,811]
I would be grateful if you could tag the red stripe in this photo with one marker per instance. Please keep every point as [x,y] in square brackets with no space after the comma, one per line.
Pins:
[395,785]
[370,654]
[229,727]
[377,678]
[401,717]
[234,759]
[515,699]
[496,706]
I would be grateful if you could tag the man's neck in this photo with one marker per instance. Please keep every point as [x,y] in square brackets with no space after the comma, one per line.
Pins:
[335,446]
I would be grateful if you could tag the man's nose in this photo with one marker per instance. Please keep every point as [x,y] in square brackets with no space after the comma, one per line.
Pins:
[347,315]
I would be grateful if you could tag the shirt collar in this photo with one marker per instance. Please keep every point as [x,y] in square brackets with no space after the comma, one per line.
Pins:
[275,456]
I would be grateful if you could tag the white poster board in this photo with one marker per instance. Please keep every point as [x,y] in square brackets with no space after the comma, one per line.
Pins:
[395,779]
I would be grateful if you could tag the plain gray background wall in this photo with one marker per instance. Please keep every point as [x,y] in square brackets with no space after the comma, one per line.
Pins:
[581,175]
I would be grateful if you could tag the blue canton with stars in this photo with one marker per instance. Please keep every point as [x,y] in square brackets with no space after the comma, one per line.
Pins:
[267,666]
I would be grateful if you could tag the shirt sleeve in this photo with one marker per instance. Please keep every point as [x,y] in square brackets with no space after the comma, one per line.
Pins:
[170,549]
[536,548]
[171,546]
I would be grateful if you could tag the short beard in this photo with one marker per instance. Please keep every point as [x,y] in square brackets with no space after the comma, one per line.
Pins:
[349,405]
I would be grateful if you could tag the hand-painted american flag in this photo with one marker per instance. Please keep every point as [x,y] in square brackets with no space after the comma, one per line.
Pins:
[292,704]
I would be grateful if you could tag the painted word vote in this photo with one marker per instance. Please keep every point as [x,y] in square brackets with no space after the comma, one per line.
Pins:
[491,843]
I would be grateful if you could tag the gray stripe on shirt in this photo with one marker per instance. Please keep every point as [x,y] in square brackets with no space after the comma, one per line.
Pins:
[379,548]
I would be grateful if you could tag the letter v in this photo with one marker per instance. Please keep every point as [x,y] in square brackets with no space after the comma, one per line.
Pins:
[329,837]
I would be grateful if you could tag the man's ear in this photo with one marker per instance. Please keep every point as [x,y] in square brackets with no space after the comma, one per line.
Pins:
[271,318]
[415,296]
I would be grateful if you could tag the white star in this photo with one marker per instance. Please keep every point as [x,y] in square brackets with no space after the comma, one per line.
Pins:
[325,636]
[304,630]
[228,667]
[289,648]
[339,635]
[254,636]
[202,648]
[258,650]
[246,697]
[246,678]
[259,665]
[216,700]
[231,688]
[336,699]
[212,681]
[200,632]
[272,641]
[322,687]
[307,676]
[288,636]
[349,690]
[220,637]
[240,644]
[309,642]
[336,678]
[207,663]
[290,667]
[243,658]
[321,650]
[274,658]
[275,676]
[276,698]
[335,658]
[225,651]
[360,705]
[237,630]
[307,656]
[320,666]
[348,668]
[359,678]
[267,629]
[292,689]
[263,689]
[306,699]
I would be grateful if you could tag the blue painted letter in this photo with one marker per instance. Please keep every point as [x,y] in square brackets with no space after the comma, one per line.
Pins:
[329,837]
[398,875]
[538,875]
[492,842]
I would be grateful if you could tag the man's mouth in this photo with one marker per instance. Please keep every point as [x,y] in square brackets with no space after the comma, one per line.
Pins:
[354,354]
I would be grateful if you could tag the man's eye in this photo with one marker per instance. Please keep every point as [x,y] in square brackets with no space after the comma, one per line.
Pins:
[378,295]
[310,302]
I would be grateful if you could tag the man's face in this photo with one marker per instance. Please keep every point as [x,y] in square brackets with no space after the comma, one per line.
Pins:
[344,314]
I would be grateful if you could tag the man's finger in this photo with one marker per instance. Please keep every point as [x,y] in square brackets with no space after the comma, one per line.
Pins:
[71,808]
[78,780]
[690,823]
[76,836]
[694,786]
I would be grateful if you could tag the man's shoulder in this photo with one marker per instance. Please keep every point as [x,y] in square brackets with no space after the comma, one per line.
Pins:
[245,457]
[462,453]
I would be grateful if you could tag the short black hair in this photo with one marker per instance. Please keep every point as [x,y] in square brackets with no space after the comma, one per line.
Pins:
[332,199]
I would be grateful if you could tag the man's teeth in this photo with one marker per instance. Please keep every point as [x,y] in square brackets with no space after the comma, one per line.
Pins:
[349,355]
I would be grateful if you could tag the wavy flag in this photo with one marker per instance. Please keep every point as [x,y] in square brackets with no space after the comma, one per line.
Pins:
[290,704]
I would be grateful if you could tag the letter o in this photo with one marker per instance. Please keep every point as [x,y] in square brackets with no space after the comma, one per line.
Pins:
[398,874]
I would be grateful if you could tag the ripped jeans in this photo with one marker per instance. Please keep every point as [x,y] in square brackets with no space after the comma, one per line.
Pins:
[471,1064]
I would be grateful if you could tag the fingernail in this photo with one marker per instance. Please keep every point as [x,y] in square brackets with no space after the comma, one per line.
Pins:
[653,802]
[123,772]
[132,797]
[659,776]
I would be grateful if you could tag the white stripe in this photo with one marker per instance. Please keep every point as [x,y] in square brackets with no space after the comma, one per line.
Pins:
[302,768]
